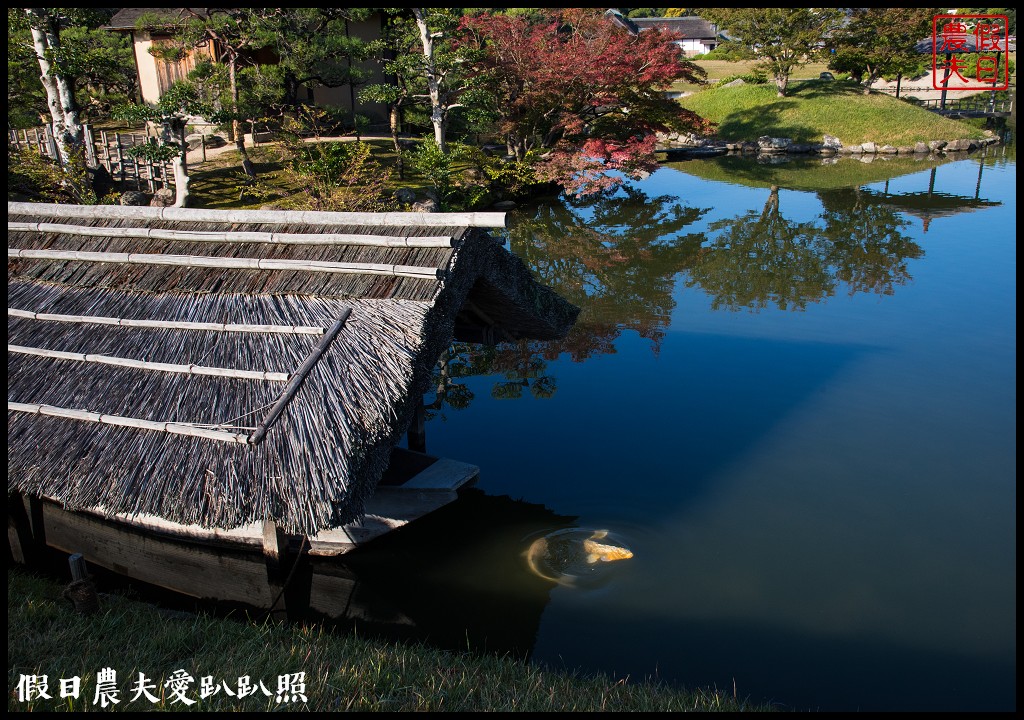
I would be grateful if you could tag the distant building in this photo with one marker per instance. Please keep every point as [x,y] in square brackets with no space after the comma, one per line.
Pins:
[698,35]
[153,27]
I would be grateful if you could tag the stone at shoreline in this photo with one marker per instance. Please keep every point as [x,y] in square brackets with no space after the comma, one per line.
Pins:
[694,146]
[960,145]
[773,144]
[801,148]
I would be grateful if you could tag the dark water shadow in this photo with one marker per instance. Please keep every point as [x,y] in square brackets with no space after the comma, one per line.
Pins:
[797,672]
[724,395]
[456,579]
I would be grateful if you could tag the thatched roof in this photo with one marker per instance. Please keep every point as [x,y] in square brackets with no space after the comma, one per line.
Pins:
[957,45]
[156,18]
[690,27]
[226,367]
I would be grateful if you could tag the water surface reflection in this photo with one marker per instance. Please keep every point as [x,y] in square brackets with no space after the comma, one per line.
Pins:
[798,402]
[791,394]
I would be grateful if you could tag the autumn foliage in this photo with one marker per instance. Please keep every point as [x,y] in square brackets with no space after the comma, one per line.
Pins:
[582,88]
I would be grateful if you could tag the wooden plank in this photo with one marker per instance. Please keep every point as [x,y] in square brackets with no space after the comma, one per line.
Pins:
[187,569]
[445,474]
[273,544]
[19,540]
[330,595]
[388,510]
[337,594]
[19,530]
[79,569]
[249,536]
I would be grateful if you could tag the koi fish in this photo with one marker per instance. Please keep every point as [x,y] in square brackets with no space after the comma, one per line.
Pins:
[601,552]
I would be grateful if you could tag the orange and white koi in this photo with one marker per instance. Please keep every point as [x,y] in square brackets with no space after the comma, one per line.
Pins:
[604,553]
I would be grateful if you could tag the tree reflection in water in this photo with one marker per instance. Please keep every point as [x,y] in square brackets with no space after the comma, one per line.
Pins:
[761,260]
[868,252]
[618,255]
[614,254]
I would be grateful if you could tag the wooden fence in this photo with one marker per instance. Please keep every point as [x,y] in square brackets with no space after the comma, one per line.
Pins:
[973,106]
[109,149]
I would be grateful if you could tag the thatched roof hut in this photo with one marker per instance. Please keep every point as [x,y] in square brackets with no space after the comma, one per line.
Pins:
[221,368]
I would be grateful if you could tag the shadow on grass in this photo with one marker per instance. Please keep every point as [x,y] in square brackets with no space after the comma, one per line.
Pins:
[777,119]
[754,122]
[220,183]
[829,89]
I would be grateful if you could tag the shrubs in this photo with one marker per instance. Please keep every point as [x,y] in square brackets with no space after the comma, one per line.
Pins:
[754,77]
[338,176]
[35,178]
[731,51]
[457,177]
[514,178]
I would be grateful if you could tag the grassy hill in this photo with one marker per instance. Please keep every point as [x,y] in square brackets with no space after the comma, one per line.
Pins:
[814,108]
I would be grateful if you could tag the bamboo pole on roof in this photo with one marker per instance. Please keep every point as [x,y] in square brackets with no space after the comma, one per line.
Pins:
[298,378]
[168,324]
[122,421]
[231,263]
[299,217]
[189,369]
[234,237]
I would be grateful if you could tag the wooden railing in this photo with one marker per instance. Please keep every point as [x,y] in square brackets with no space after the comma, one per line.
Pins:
[977,105]
[109,149]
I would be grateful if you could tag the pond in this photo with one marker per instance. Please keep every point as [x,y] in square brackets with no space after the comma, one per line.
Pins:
[775,456]
[791,394]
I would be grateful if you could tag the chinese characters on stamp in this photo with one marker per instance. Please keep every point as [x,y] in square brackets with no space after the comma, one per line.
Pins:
[969,52]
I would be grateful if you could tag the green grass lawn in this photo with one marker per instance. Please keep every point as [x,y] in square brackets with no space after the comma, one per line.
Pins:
[720,69]
[341,672]
[220,184]
[814,108]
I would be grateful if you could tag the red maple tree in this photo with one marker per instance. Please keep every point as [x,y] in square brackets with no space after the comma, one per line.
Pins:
[581,88]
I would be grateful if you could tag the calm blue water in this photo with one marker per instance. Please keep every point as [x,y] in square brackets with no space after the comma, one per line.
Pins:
[797,408]
[791,393]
